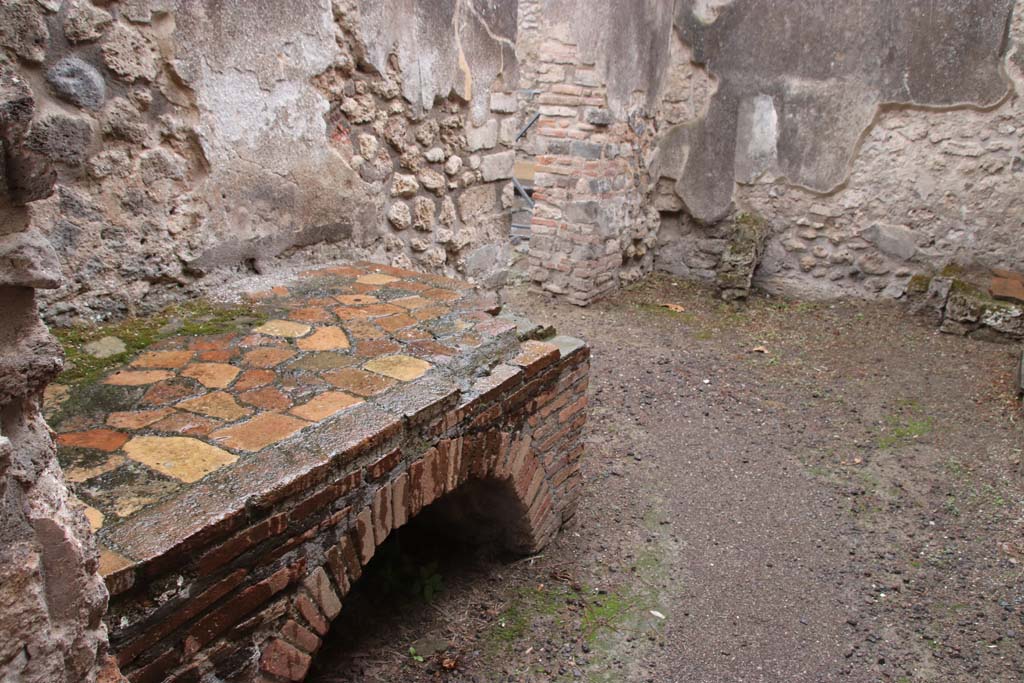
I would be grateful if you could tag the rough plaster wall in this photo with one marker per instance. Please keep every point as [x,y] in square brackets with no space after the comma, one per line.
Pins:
[444,47]
[196,139]
[51,597]
[273,182]
[795,96]
[627,41]
[904,164]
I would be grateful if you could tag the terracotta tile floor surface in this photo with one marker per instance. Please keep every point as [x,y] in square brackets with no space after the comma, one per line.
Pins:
[334,339]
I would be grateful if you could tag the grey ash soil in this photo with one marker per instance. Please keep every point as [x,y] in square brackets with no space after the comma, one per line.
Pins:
[805,492]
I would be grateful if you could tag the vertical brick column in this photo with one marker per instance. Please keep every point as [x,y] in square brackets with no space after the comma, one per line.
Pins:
[589,222]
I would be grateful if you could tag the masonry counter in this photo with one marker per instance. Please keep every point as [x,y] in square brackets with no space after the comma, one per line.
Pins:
[239,482]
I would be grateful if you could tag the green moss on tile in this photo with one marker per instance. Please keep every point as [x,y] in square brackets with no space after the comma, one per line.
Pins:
[919,284]
[194,318]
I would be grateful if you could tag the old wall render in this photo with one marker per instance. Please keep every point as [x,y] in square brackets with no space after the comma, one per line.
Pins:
[886,151]
[177,172]
[905,189]
[51,596]
[188,152]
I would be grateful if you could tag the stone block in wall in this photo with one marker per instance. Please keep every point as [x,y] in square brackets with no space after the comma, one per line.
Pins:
[741,256]
[509,130]
[497,166]
[432,180]
[598,117]
[503,103]
[557,111]
[129,53]
[477,202]
[453,165]
[424,213]
[84,22]
[28,260]
[583,149]
[482,137]
[894,240]
[62,139]
[123,121]
[404,185]
[28,176]
[928,295]
[23,30]
[400,216]
[77,82]
[971,311]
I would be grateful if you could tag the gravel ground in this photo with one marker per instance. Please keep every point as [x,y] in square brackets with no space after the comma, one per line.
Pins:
[777,491]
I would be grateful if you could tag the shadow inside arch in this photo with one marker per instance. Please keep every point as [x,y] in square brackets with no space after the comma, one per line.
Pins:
[461,543]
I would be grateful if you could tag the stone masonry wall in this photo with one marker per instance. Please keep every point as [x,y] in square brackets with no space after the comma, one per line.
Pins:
[859,179]
[251,595]
[187,153]
[925,187]
[51,596]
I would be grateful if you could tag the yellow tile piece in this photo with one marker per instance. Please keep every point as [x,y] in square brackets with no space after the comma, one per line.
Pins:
[163,359]
[111,562]
[211,375]
[178,456]
[258,433]
[325,339]
[404,368]
[218,404]
[137,378]
[94,516]
[376,279]
[325,405]
[283,328]
[79,474]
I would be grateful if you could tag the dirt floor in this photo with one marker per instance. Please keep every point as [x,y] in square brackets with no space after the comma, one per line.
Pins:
[775,491]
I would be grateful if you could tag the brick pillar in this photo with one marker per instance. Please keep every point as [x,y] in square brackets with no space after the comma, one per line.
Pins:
[589,222]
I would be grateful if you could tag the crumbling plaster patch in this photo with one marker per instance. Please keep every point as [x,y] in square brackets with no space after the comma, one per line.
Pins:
[826,77]
[262,127]
[445,47]
[904,188]
[627,41]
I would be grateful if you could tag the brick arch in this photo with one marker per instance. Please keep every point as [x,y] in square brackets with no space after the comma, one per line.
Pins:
[531,513]
[257,570]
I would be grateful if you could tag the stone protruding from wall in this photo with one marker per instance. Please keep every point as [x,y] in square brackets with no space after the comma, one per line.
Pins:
[971,303]
[51,596]
[741,257]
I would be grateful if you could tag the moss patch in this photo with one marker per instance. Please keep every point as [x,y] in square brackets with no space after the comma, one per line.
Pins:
[919,284]
[190,319]
[899,430]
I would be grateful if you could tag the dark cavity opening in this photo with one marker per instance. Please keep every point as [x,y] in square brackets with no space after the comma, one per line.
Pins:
[465,539]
